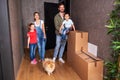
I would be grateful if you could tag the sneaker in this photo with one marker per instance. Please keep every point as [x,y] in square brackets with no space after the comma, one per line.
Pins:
[54,59]
[40,60]
[61,60]
[33,62]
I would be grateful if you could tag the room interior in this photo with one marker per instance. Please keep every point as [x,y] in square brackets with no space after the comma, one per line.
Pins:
[88,16]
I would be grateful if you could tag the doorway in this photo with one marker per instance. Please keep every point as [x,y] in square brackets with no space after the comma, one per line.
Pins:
[50,10]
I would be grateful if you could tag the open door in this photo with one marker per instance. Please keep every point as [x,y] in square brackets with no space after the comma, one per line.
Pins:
[50,10]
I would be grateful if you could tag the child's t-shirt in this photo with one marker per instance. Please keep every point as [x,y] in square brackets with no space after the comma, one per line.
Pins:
[68,23]
[33,37]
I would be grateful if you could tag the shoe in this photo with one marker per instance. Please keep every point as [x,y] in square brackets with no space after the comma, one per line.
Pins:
[61,60]
[54,59]
[40,60]
[33,62]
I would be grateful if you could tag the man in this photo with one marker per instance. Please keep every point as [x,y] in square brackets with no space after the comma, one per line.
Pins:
[60,45]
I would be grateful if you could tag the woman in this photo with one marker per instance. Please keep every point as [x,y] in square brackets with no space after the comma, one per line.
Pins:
[41,35]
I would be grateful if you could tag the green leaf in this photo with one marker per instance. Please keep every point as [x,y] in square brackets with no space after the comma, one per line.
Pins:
[116,42]
[109,26]
[117,2]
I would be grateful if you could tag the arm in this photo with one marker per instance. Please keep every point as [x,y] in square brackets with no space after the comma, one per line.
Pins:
[61,27]
[56,21]
[28,41]
[43,29]
[73,27]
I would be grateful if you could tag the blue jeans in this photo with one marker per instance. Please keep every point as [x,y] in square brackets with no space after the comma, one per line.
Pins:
[32,50]
[64,33]
[41,47]
[60,46]
[41,43]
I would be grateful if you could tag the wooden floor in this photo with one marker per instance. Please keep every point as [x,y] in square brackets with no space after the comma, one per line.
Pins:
[28,71]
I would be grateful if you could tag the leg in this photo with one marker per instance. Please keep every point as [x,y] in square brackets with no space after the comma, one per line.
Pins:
[58,41]
[64,33]
[39,47]
[34,50]
[63,43]
[43,48]
[31,52]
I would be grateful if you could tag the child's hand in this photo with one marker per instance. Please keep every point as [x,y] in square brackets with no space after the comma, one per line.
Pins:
[67,32]
[28,46]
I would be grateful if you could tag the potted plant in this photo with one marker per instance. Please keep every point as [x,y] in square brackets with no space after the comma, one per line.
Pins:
[113,67]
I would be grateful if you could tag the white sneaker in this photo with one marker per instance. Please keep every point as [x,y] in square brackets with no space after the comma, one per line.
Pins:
[61,60]
[54,59]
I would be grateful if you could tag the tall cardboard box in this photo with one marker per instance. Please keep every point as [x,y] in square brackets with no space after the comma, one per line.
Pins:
[76,41]
[87,65]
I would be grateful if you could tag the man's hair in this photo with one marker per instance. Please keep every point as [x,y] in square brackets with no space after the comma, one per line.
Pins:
[60,4]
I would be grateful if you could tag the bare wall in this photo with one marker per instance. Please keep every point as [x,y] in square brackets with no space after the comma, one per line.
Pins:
[28,8]
[91,16]
[16,33]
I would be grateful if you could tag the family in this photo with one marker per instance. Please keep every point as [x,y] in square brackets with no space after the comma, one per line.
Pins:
[37,35]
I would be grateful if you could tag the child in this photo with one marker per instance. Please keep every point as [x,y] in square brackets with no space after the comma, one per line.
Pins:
[66,27]
[32,42]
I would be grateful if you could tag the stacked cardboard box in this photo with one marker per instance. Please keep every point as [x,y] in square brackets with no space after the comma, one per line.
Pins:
[85,64]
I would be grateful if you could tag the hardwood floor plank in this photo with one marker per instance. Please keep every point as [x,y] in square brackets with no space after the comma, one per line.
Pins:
[28,71]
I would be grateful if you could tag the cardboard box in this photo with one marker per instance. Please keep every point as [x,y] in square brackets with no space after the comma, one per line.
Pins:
[77,40]
[87,66]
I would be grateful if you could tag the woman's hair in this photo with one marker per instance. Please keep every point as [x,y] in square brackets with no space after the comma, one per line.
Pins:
[29,25]
[36,13]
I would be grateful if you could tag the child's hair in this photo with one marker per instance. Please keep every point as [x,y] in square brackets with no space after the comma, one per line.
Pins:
[67,14]
[29,25]
[36,13]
